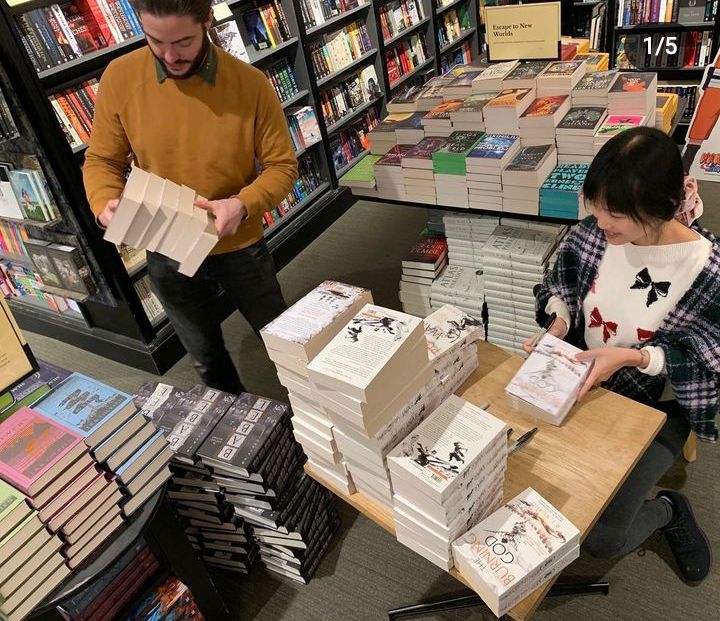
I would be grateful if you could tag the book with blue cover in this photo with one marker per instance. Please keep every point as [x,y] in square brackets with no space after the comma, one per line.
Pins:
[32,389]
[494,148]
[88,407]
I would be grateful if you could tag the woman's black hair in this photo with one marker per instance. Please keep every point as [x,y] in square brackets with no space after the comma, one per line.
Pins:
[639,174]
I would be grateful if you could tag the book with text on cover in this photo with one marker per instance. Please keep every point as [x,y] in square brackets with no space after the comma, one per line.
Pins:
[582,120]
[617,123]
[598,81]
[510,98]
[33,448]
[426,254]
[449,329]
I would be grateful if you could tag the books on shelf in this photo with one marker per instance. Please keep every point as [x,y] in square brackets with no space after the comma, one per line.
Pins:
[398,16]
[282,77]
[548,382]
[229,38]
[339,49]
[404,57]
[308,181]
[303,125]
[8,128]
[266,25]
[150,303]
[516,549]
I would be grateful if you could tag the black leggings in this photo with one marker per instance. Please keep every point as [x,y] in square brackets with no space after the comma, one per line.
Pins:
[631,517]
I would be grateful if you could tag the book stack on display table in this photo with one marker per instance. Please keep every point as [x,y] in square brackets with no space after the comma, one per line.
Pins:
[560,77]
[634,93]
[389,177]
[615,124]
[575,132]
[462,287]
[593,89]
[666,108]
[447,474]
[491,79]
[537,124]
[382,137]
[438,122]
[524,75]
[502,113]
[449,168]
[361,177]
[421,266]
[514,550]
[514,261]
[560,192]
[469,115]
[293,340]
[484,167]
[522,178]
[417,170]
[466,235]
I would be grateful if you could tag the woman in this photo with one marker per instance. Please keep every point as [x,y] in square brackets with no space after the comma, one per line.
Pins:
[638,287]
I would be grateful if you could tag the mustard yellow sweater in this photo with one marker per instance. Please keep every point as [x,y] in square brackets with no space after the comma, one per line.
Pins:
[205,136]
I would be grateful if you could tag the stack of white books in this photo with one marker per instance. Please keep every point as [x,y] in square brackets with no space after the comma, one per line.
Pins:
[423,264]
[547,383]
[557,230]
[538,122]
[522,178]
[634,93]
[469,115]
[593,89]
[560,77]
[382,137]
[450,170]
[437,122]
[512,552]
[502,113]
[525,74]
[409,130]
[484,165]
[466,235]
[462,287]
[389,174]
[158,215]
[514,261]
[575,132]
[447,474]
[462,85]
[491,78]
[292,340]
[356,377]
[417,170]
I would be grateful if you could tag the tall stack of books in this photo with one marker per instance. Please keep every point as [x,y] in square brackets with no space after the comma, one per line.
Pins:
[292,340]
[593,89]
[449,168]
[525,74]
[389,173]
[491,79]
[186,417]
[484,166]
[634,93]
[514,261]
[469,115]
[361,177]
[615,124]
[356,378]
[462,287]
[553,361]
[421,266]
[595,61]
[417,170]
[560,193]
[502,113]
[410,130]
[438,121]
[31,565]
[560,77]
[666,107]
[292,517]
[447,474]
[382,137]
[538,122]
[466,235]
[512,552]
[575,133]
[522,178]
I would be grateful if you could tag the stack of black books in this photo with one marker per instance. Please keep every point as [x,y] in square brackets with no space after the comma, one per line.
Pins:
[187,418]
[258,463]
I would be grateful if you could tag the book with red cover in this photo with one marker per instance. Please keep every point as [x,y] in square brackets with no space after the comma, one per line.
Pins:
[32,448]
[427,254]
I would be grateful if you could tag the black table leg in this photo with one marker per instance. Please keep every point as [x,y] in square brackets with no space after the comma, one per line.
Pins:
[168,535]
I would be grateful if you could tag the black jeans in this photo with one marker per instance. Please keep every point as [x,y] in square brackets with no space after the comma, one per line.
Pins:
[247,279]
[631,517]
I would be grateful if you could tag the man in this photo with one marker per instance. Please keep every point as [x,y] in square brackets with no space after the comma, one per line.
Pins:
[189,112]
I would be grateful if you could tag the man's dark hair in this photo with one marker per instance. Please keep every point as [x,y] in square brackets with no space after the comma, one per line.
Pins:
[638,173]
[199,10]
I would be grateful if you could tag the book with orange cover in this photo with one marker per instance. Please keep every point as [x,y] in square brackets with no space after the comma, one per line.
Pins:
[510,98]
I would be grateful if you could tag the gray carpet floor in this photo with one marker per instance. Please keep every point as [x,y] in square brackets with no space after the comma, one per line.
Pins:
[366,571]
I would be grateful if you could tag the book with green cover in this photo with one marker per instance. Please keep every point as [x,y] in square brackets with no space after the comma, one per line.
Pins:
[362,174]
[450,159]
[13,508]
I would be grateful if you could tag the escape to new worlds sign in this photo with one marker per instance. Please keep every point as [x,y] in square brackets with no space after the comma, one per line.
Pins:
[525,31]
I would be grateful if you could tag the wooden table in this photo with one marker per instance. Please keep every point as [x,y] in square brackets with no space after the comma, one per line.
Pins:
[578,466]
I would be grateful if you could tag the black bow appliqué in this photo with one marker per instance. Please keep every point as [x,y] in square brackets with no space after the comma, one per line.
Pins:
[643,281]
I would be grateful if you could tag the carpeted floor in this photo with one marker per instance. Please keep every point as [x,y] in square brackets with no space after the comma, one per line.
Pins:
[366,571]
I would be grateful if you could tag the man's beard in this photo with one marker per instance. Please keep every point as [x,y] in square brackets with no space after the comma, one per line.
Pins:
[194,66]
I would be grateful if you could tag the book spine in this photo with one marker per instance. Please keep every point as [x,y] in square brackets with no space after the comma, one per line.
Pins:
[96,23]
[132,17]
[70,131]
[28,43]
[76,105]
[67,31]
[120,19]
[35,22]
[104,8]
[75,121]
[55,34]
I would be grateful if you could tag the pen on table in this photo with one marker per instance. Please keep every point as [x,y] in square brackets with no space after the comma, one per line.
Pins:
[523,439]
[545,328]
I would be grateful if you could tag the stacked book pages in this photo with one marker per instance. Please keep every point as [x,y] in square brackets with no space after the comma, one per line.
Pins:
[484,170]
[522,178]
[293,340]
[593,89]
[389,178]
[502,113]
[514,261]
[560,77]
[466,235]
[159,215]
[547,383]
[462,287]
[575,132]
[560,192]
[512,552]
[422,265]
[447,474]
[450,170]
[537,124]
[418,177]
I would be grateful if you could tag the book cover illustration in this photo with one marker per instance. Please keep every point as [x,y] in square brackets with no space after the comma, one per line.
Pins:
[569,177]
[527,71]
[493,146]
[476,102]
[428,250]
[582,118]
[411,95]
[627,52]
[82,403]
[461,142]
[465,79]
[498,70]
[229,38]
[596,81]
[633,82]
[374,320]
[618,123]
[530,158]
[316,310]
[256,29]
[562,68]
[30,201]
[70,274]
[545,106]
[370,85]
[424,149]
[390,122]
[459,281]
[434,87]
[443,110]
[509,97]
[449,327]
[395,155]
[30,444]
[591,59]
[412,121]
[44,265]
[32,389]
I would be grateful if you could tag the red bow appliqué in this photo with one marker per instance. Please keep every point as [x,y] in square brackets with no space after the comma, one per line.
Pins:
[609,327]
[645,335]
